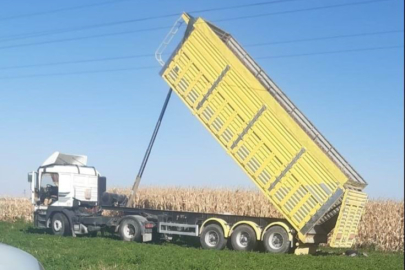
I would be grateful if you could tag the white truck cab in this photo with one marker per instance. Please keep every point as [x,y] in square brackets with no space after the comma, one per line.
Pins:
[67,196]
[64,180]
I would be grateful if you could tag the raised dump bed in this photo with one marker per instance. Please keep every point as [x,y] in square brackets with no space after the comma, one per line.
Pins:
[289,160]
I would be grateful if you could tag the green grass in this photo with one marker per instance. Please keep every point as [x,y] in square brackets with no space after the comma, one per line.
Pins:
[111,253]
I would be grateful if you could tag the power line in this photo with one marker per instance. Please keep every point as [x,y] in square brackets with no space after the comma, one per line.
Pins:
[300,10]
[79,61]
[324,38]
[85,37]
[60,10]
[78,72]
[330,52]
[220,20]
[66,30]
[249,45]
[155,67]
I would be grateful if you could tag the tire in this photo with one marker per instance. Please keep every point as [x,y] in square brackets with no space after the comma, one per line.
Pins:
[130,230]
[212,237]
[276,240]
[243,238]
[60,225]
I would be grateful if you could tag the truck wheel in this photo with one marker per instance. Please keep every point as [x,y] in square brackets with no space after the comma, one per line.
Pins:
[130,230]
[276,240]
[212,237]
[60,225]
[243,238]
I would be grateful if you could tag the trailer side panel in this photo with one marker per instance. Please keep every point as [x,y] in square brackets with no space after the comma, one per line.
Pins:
[259,134]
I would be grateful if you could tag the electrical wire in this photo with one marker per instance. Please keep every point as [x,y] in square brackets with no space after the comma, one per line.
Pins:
[300,10]
[330,52]
[156,67]
[66,30]
[79,61]
[30,35]
[60,10]
[85,37]
[249,45]
[79,72]
[323,38]
[164,27]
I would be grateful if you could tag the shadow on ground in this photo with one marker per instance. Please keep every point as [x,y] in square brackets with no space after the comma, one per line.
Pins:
[32,230]
[347,253]
[193,242]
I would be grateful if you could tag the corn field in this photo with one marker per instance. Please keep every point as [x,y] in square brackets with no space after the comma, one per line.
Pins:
[381,228]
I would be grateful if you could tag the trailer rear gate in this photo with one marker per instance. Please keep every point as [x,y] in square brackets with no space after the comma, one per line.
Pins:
[300,172]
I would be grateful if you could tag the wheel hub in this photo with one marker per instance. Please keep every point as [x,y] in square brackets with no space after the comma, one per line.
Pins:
[211,238]
[276,241]
[129,231]
[57,225]
[242,239]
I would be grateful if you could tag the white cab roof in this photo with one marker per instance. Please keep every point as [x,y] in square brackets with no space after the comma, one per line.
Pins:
[65,159]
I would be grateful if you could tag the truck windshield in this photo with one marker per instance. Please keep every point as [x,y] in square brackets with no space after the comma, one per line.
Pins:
[49,188]
[50,179]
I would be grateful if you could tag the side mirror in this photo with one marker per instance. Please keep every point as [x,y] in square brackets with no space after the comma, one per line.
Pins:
[33,179]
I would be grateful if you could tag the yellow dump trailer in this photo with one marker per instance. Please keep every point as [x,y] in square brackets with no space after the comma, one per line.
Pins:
[280,150]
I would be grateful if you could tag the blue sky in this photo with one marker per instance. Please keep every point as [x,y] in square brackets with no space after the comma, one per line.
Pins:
[355,99]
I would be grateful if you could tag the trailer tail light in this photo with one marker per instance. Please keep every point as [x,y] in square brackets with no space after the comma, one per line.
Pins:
[149,225]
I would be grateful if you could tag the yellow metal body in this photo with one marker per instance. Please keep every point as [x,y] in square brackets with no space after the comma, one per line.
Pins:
[305,249]
[352,209]
[256,131]
[225,227]
[253,225]
[281,224]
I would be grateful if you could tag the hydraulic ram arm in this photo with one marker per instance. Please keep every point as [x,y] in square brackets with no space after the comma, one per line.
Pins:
[148,150]
[158,54]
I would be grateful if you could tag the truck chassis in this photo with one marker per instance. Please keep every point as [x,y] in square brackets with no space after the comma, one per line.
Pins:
[214,231]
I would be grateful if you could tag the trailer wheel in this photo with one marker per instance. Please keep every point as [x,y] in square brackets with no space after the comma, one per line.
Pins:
[130,230]
[243,238]
[212,237]
[60,225]
[276,240]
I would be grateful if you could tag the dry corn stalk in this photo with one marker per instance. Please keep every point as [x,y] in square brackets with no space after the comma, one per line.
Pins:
[13,209]
[382,226]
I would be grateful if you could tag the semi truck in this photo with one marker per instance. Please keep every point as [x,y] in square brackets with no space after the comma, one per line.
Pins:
[309,182]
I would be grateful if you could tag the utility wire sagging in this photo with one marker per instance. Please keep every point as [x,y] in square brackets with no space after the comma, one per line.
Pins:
[114,58]
[58,31]
[169,15]
[249,45]
[61,10]
[153,67]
